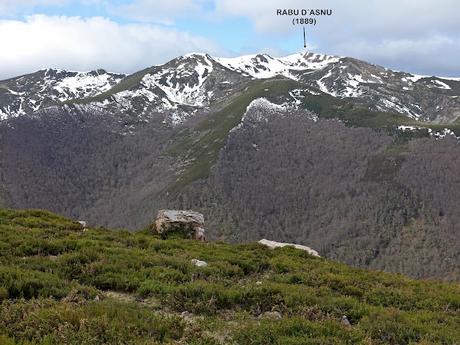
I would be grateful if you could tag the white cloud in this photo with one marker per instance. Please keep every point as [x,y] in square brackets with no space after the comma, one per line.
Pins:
[414,35]
[164,12]
[432,55]
[87,43]
[421,36]
[364,16]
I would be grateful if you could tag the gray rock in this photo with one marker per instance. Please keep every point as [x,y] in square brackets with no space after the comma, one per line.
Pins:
[191,221]
[345,321]
[274,244]
[199,263]
[187,316]
[273,315]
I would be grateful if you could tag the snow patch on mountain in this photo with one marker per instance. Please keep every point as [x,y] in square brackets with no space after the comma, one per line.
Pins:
[414,77]
[125,98]
[178,117]
[442,85]
[309,61]
[83,84]
[16,93]
[263,66]
[189,92]
[434,81]
[257,111]
[29,93]
[261,109]
[345,85]
[442,134]
[264,104]
[409,128]
[445,132]
[182,86]
[393,103]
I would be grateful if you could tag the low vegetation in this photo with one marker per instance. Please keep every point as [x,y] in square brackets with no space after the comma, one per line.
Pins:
[356,114]
[61,284]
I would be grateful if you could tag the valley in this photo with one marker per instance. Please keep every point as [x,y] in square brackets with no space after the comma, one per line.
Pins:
[352,159]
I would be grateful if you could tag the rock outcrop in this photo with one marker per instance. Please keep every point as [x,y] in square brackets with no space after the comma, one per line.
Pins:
[199,263]
[273,245]
[189,223]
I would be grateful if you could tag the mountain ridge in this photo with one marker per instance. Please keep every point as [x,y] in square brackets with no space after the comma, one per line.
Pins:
[189,83]
[31,92]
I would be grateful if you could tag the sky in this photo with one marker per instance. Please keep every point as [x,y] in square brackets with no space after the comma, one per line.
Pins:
[417,36]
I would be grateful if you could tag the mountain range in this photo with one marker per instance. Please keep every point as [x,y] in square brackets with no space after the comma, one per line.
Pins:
[353,159]
[195,81]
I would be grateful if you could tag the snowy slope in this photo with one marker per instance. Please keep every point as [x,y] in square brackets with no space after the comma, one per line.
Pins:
[185,85]
[194,81]
[264,66]
[182,84]
[82,84]
[177,89]
[44,88]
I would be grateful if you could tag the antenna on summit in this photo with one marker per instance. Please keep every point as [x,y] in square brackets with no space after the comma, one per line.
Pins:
[304,38]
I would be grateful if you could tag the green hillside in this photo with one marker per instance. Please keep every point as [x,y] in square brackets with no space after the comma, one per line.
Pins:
[60,284]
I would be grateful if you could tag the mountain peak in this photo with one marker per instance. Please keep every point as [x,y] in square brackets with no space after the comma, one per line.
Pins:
[184,82]
[195,55]
[262,66]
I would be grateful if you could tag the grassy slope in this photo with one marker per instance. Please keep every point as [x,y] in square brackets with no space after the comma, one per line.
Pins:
[355,114]
[59,284]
